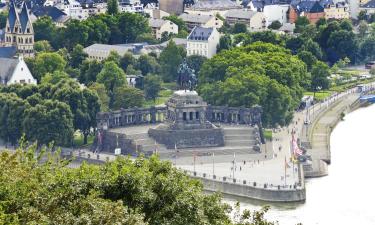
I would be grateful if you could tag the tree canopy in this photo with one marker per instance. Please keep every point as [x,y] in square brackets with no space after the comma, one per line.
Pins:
[260,73]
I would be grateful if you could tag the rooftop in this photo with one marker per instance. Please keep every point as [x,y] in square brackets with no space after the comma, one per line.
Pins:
[240,13]
[7,52]
[7,67]
[370,4]
[200,33]
[205,5]
[156,22]
[56,14]
[309,6]
[195,18]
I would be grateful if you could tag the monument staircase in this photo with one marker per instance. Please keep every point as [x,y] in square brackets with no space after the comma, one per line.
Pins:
[238,140]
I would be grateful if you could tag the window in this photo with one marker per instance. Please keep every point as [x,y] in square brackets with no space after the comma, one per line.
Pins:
[184,116]
[197,115]
[28,30]
[191,115]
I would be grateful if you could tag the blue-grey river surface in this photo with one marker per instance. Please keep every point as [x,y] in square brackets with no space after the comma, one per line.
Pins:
[347,194]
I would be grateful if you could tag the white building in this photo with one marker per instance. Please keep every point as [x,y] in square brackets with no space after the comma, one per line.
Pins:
[132,6]
[75,10]
[15,71]
[203,41]
[200,20]
[159,26]
[254,21]
[272,11]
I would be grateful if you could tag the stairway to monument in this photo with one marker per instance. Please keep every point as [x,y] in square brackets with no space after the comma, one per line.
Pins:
[237,139]
[144,143]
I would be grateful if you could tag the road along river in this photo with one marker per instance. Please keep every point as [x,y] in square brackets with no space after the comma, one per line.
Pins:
[347,194]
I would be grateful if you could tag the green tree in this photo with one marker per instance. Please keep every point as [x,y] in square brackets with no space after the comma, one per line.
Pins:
[112,77]
[126,60]
[76,32]
[77,56]
[99,89]
[12,110]
[239,28]
[319,77]
[152,86]
[275,25]
[127,97]
[42,46]
[243,76]
[112,7]
[132,25]
[362,28]
[98,30]
[342,44]
[308,58]
[300,23]
[147,64]
[225,42]
[47,122]
[54,78]
[195,62]
[89,70]
[321,22]
[44,29]
[47,62]
[170,59]
[83,103]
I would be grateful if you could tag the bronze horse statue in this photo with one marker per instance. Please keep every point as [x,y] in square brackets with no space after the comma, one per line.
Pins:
[186,77]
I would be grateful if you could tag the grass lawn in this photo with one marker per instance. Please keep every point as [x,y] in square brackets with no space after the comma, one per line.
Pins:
[267,134]
[164,95]
[78,139]
[319,95]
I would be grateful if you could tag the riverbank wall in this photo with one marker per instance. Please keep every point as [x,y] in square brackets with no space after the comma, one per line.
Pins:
[315,137]
[253,190]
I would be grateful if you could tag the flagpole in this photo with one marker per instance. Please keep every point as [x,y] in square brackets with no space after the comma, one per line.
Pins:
[213,163]
[194,160]
[175,158]
[234,161]
[285,172]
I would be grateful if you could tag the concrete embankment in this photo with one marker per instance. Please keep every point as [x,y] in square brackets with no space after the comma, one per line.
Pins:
[318,133]
[253,190]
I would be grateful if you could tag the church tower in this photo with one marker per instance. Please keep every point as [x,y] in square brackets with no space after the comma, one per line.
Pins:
[19,31]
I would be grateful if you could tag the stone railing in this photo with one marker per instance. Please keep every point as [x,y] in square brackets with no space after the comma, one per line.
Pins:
[138,116]
[133,116]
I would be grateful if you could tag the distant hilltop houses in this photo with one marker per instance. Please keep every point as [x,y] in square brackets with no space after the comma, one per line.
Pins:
[203,19]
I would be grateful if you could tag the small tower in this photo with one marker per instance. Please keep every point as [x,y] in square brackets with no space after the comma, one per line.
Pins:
[19,31]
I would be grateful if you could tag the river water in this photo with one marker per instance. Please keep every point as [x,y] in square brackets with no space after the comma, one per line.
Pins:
[347,194]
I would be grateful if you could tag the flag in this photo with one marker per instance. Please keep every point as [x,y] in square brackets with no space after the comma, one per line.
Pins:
[296,150]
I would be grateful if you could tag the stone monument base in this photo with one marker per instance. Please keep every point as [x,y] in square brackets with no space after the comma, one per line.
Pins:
[191,138]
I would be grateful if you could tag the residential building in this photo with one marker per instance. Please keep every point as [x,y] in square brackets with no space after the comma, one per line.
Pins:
[132,6]
[101,51]
[160,26]
[339,10]
[200,20]
[212,7]
[274,10]
[369,7]
[75,10]
[19,32]
[15,71]
[58,17]
[203,41]
[255,21]
[313,10]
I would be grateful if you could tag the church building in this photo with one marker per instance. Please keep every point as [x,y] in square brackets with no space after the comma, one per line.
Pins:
[19,33]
